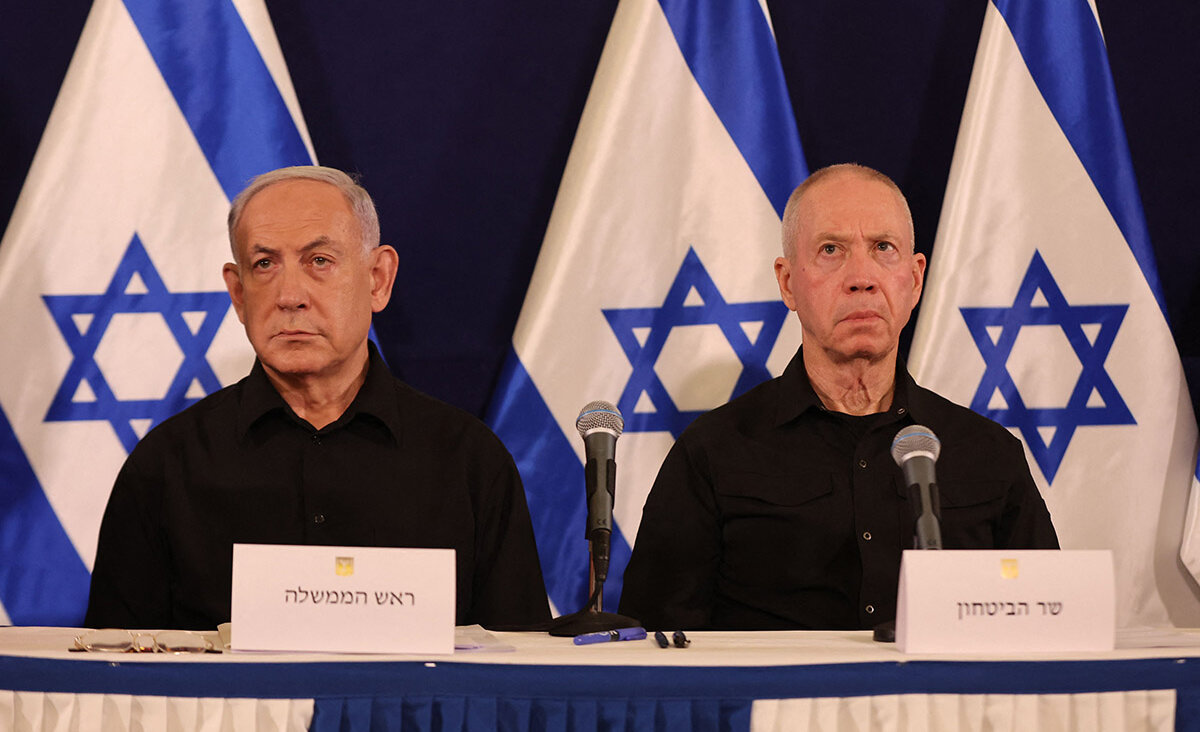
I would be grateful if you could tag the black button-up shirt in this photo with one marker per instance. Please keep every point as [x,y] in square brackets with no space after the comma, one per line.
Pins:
[772,512]
[397,469]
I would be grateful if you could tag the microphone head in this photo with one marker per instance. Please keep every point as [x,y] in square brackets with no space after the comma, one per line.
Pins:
[914,440]
[600,415]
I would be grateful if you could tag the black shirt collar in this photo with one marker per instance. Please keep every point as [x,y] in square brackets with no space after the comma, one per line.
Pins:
[376,398]
[796,394]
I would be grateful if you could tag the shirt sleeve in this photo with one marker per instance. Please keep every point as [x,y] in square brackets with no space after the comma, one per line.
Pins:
[131,583]
[671,578]
[1026,522]
[508,589]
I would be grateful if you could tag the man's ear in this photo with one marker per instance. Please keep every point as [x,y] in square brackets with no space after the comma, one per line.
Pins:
[384,263]
[919,263]
[783,275]
[233,283]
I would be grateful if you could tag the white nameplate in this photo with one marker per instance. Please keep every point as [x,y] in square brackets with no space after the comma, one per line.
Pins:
[342,599]
[1005,601]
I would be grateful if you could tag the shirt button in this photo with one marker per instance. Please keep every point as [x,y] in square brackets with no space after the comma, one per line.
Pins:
[870,609]
[867,535]
[319,518]
[901,411]
[862,463]
[316,439]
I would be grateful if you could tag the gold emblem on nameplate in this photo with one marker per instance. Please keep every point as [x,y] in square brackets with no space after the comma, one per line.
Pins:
[1008,569]
[344,566]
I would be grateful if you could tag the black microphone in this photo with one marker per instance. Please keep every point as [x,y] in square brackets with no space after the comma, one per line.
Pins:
[915,450]
[600,424]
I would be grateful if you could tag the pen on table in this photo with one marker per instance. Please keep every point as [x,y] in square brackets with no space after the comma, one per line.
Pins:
[605,636]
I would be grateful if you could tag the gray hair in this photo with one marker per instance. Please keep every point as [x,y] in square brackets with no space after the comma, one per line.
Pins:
[791,212]
[357,196]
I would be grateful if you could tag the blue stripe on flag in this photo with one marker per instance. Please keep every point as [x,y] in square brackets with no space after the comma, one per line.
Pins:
[222,86]
[731,51]
[1061,44]
[554,486]
[42,579]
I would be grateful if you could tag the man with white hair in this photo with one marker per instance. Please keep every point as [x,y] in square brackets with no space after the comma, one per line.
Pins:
[319,445]
[783,508]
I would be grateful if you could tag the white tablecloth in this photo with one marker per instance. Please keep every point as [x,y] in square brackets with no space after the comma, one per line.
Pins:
[679,687]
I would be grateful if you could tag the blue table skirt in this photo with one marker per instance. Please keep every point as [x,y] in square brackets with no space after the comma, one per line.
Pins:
[419,695]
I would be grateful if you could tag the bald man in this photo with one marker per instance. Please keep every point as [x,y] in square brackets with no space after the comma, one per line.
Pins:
[783,509]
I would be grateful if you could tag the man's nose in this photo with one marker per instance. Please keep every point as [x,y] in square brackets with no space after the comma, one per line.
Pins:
[861,271]
[293,291]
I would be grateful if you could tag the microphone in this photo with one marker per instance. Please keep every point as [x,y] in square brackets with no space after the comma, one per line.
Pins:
[915,449]
[600,424]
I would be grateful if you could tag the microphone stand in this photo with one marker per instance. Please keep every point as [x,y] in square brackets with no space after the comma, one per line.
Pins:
[928,538]
[592,618]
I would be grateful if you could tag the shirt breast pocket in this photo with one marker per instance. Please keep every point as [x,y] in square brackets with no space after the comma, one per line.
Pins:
[773,526]
[971,512]
[762,492]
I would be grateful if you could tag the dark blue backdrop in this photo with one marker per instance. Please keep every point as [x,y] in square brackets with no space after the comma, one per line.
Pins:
[459,117]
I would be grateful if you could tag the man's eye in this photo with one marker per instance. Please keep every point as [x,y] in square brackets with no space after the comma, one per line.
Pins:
[828,249]
[262,264]
[885,246]
[320,261]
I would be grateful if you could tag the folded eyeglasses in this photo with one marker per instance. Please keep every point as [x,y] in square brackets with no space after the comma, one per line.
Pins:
[116,640]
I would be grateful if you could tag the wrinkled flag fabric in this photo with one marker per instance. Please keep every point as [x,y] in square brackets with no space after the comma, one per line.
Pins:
[1043,309]
[110,267]
[654,288]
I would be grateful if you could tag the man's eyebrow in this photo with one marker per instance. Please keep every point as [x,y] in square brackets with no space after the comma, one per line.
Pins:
[257,249]
[830,235]
[317,243]
[874,236]
[320,241]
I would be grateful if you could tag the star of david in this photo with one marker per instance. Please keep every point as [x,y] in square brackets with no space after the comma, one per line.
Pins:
[83,320]
[1094,400]
[676,311]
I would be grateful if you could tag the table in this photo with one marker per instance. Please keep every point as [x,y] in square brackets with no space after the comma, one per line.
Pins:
[724,681]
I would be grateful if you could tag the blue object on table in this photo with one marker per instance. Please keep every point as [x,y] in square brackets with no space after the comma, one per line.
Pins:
[621,634]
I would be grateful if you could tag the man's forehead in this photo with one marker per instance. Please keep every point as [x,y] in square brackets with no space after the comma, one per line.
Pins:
[851,187]
[848,203]
[297,193]
[309,212]
[296,203]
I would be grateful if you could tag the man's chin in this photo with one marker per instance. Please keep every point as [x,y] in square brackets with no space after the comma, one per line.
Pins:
[870,351]
[295,360]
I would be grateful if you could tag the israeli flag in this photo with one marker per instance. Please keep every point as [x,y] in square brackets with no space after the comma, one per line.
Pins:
[116,315]
[1043,308]
[654,288]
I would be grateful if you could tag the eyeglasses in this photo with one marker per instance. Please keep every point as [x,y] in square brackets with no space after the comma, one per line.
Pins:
[116,640]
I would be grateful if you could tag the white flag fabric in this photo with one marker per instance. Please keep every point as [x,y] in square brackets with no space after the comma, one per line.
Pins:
[116,314]
[1043,309]
[654,288]
[1189,552]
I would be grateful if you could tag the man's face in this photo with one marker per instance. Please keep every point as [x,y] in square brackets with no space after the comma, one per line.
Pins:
[853,278]
[303,286]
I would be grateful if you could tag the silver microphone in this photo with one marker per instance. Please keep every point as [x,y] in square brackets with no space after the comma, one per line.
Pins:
[600,424]
[915,449]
